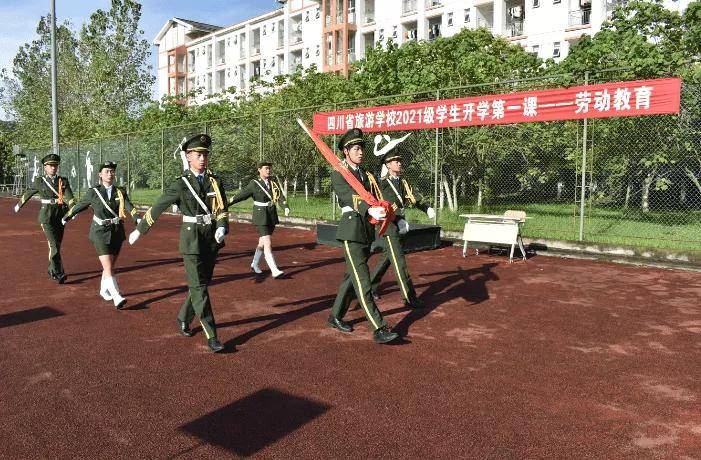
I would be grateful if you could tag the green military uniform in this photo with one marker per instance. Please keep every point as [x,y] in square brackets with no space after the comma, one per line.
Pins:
[56,196]
[107,229]
[356,234]
[197,243]
[265,198]
[398,192]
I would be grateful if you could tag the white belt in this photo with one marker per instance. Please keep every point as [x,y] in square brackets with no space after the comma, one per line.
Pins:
[264,204]
[202,219]
[51,201]
[113,221]
[346,209]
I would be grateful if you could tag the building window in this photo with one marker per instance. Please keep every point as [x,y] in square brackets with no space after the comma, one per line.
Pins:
[555,2]
[318,50]
[450,19]
[306,16]
[381,36]
[556,49]
[467,15]
[535,49]
[264,31]
[394,32]
[536,3]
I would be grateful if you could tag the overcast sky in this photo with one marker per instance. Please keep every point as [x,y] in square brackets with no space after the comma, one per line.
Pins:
[20,17]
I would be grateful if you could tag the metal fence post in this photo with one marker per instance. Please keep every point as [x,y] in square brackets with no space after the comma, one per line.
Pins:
[333,195]
[128,164]
[163,146]
[260,137]
[435,173]
[78,169]
[582,193]
[77,153]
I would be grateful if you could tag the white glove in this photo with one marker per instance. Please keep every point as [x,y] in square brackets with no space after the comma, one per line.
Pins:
[403,226]
[431,213]
[64,221]
[16,208]
[287,212]
[377,212]
[138,221]
[219,235]
[133,236]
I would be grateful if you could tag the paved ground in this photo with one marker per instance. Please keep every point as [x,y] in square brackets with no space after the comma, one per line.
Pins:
[544,358]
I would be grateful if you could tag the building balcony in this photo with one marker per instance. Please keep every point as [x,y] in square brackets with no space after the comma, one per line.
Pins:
[483,23]
[514,28]
[579,18]
[408,7]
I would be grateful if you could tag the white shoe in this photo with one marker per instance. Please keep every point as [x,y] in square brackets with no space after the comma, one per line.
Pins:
[270,260]
[117,298]
[104,293]
[256,260]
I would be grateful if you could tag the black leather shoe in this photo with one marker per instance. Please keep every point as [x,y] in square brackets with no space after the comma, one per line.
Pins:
[60,279]
[384,335]
[416,304]
[121,304]
[215,345]
[185,328]
[339,324]
[375,296]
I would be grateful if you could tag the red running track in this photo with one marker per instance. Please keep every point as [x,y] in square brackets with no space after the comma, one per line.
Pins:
[544,358]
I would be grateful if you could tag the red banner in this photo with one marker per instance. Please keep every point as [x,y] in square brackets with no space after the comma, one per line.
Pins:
[622,99]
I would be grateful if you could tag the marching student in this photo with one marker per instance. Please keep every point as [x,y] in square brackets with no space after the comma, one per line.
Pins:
[200,196]
[110,205]
[56,197]
[397,191]
[266,192]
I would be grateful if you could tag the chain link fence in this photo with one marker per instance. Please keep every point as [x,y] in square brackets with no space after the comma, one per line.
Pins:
[631,181]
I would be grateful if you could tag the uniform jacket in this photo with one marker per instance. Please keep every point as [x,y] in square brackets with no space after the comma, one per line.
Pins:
[406,198]
[119,202]
[353,225]
[263,215]
[194,238]
[50,213]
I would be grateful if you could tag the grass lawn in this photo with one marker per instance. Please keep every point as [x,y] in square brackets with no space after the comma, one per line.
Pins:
[677,230]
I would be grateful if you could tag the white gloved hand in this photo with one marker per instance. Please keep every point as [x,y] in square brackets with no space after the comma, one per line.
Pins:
[16,208]
[220,234]
[431,213]
[403,226]
[138,220]
[64,221]
[377,212]
[287,212]
[133,236]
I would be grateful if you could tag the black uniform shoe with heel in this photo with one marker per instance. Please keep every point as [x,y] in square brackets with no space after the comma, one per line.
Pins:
[184,328]
[215,345]
[384,335]
[415,304]
[339,324]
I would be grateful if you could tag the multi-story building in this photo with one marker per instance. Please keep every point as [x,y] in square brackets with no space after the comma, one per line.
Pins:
[332,34]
